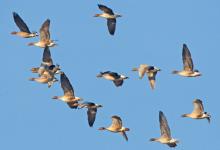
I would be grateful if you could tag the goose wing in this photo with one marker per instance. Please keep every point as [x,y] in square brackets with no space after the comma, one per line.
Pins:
[187,60]
[116,123]
[142,69]
[164,127]
[44,30]
[118,82]
[106,9]
[91,114]
[47,60]
[198,107]
[20,23]
[111,23]
[151,73]
[66,85]
[123,133]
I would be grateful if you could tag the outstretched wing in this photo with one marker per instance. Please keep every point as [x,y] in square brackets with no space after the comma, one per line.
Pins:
[66,85]
[44,30]
[123,133]
[116,123]
[91,114]
[111,23]
[47,60]
[142,69]
[20,23]
[106,9]
[118,82]
[198,107]
[164,127]
[187,60]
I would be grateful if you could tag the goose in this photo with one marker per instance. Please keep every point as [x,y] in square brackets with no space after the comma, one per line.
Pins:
[24,30]
[117,127]
[188,68]
[151,72]
[91,112]
[44,36]
[198,112]
[165,137]
[69,96]
[113,76]
[110,16]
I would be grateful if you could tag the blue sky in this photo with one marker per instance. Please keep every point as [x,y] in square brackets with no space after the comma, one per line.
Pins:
[150,32]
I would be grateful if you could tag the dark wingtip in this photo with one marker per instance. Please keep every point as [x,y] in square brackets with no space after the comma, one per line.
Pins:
[172,145]
[111,33]
[14,13]
[90,124]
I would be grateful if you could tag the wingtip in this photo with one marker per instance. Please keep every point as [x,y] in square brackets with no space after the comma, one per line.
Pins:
[184,45]
[14,13]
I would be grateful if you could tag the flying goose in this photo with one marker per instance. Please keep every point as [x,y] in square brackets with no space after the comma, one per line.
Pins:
[91,112]
[188,68]
[151,72]
[113,76]
[117,127]
[24,30]
[44,36]
[165,137]
[47,76]
[110,16]
[68,96]
[46,63]
[198,112]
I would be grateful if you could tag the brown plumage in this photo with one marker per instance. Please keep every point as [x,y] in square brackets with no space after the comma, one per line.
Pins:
[44,36]
[188,67]
[117,127]
[198,111]
[110,16]
[165,137]
[24,30]
[69,96]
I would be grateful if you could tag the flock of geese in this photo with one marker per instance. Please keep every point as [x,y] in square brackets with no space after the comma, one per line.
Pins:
[47,72]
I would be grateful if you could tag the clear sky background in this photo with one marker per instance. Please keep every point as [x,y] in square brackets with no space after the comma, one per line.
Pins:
[151,32]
